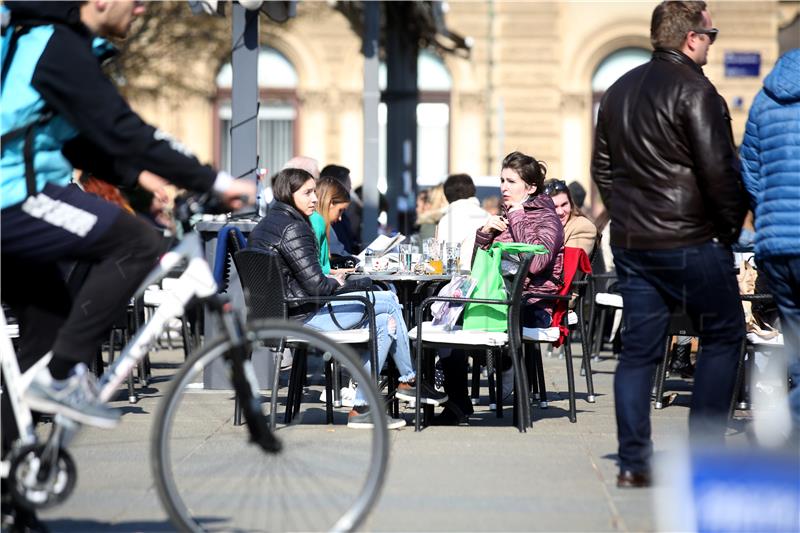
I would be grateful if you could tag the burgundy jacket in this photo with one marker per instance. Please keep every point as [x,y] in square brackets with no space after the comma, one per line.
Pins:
[536,223]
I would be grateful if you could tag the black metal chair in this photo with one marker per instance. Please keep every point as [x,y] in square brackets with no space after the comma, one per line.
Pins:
[426,335]
[263,287]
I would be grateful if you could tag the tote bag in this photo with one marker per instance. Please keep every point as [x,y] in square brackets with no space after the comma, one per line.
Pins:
[486,270]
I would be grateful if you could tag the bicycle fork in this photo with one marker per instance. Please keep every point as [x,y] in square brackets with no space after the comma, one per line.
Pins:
[245,383]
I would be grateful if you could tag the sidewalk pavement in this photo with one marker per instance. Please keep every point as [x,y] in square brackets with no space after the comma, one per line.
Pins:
[484,477]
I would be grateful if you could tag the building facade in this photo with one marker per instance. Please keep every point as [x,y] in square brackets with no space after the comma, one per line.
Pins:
[532,83]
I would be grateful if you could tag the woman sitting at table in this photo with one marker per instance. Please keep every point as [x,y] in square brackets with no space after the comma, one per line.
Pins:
[527,216]
[332,200]
[286,232]
[579,231]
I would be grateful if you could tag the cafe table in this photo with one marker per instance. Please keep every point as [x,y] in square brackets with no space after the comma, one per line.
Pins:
[408,285]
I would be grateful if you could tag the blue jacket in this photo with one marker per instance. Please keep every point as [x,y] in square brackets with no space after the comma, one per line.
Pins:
[770,156]
[54,68]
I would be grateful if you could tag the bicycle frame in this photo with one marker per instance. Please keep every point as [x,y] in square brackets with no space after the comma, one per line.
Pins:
[196,281]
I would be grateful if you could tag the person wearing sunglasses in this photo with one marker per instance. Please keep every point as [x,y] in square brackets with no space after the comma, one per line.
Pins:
[579,231]
[666,168]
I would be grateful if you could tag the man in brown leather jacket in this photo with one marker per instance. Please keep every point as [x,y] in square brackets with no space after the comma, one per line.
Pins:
[667,170]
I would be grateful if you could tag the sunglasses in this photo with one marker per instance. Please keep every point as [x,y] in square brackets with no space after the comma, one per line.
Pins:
[711,32]
[553,187]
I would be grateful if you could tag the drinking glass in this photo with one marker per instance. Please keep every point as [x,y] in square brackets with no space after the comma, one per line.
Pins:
[406,255]
[453,258]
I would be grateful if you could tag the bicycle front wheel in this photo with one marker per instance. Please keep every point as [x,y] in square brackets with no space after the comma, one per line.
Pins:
[211,477]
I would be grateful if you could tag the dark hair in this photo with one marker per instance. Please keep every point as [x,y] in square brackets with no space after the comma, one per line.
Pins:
[337,172]
[528,168]
[554,187]
[458,187]
[287,182]
[672,21]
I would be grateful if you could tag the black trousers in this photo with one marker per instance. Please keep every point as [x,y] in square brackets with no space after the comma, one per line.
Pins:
[66,224]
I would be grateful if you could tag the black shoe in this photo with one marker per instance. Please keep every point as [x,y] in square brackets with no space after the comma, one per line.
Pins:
[681,363]
[408,392]
[448,417]
[21,520]
[629,479]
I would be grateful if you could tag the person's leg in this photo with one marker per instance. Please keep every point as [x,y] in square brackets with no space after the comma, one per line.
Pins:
[455,368]
[712,301]
[387,303]
[125,253]
[646,317]
[66,223]
[349,315]
[784,285]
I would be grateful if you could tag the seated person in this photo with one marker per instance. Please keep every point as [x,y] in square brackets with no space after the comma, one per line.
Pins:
[579,231]
[527,217]
[286,232]
[463,217]
[332,201]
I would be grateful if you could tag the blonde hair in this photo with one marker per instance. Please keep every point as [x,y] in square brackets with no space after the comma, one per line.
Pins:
[330,191]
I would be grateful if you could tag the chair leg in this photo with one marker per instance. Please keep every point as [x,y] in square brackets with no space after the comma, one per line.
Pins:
[337,384]
[490,364]
[661,374]
[301,382]
[293,379]
[598,334]
[537,354]
[739,400]
[570,380]
[273,400]
[586,360]
[328,392]
[522,403]
[476,381]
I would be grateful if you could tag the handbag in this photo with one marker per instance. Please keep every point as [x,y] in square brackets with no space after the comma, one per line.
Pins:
[486,269]
[353,285]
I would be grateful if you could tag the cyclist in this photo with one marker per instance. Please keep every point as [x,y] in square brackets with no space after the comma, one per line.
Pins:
[58,111]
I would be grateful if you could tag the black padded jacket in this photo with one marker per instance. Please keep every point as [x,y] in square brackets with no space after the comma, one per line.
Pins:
[664,159]
[287,233]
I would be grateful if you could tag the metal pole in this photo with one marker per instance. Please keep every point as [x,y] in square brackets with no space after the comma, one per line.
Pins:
[372,96]
[244,93]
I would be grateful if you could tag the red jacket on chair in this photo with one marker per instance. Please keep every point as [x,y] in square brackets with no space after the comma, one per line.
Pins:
[575,259]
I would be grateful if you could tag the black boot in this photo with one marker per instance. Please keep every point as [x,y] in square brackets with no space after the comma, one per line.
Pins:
[681,361]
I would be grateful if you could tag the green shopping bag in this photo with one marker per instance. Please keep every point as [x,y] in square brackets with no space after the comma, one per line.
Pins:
[486,270]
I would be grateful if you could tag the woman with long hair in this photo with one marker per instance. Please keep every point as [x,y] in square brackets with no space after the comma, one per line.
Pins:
[579,231]
[286,232]
[333,199]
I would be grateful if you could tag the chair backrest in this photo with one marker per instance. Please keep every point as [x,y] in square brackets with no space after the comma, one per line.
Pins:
[262,284]
[515,295]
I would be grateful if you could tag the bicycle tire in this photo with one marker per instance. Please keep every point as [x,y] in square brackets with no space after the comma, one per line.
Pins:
[212,479]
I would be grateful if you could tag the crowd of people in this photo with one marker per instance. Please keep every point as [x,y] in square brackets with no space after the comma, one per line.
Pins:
[664,162]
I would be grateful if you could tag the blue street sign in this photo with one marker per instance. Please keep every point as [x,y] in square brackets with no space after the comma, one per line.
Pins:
[742,64]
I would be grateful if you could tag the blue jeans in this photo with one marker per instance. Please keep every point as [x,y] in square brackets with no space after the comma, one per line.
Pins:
[351,314]
[699,281]
[784,284]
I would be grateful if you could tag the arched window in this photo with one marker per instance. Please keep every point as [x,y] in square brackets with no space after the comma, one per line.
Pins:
[611,68]
[277,113]
[433,121]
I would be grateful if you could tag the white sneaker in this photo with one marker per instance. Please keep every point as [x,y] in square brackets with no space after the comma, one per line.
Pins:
[348,395]
[74,398]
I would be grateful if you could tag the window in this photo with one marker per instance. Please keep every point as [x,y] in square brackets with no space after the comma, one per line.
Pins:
[433,121]
[277,114]
[611,68]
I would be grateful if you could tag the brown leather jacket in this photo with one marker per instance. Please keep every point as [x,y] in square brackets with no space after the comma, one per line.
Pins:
[664,159]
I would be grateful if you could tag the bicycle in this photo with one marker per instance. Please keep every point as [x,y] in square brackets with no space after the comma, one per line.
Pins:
[314,494]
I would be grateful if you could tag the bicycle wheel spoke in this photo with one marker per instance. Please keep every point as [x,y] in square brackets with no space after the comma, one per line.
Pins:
[211,477]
